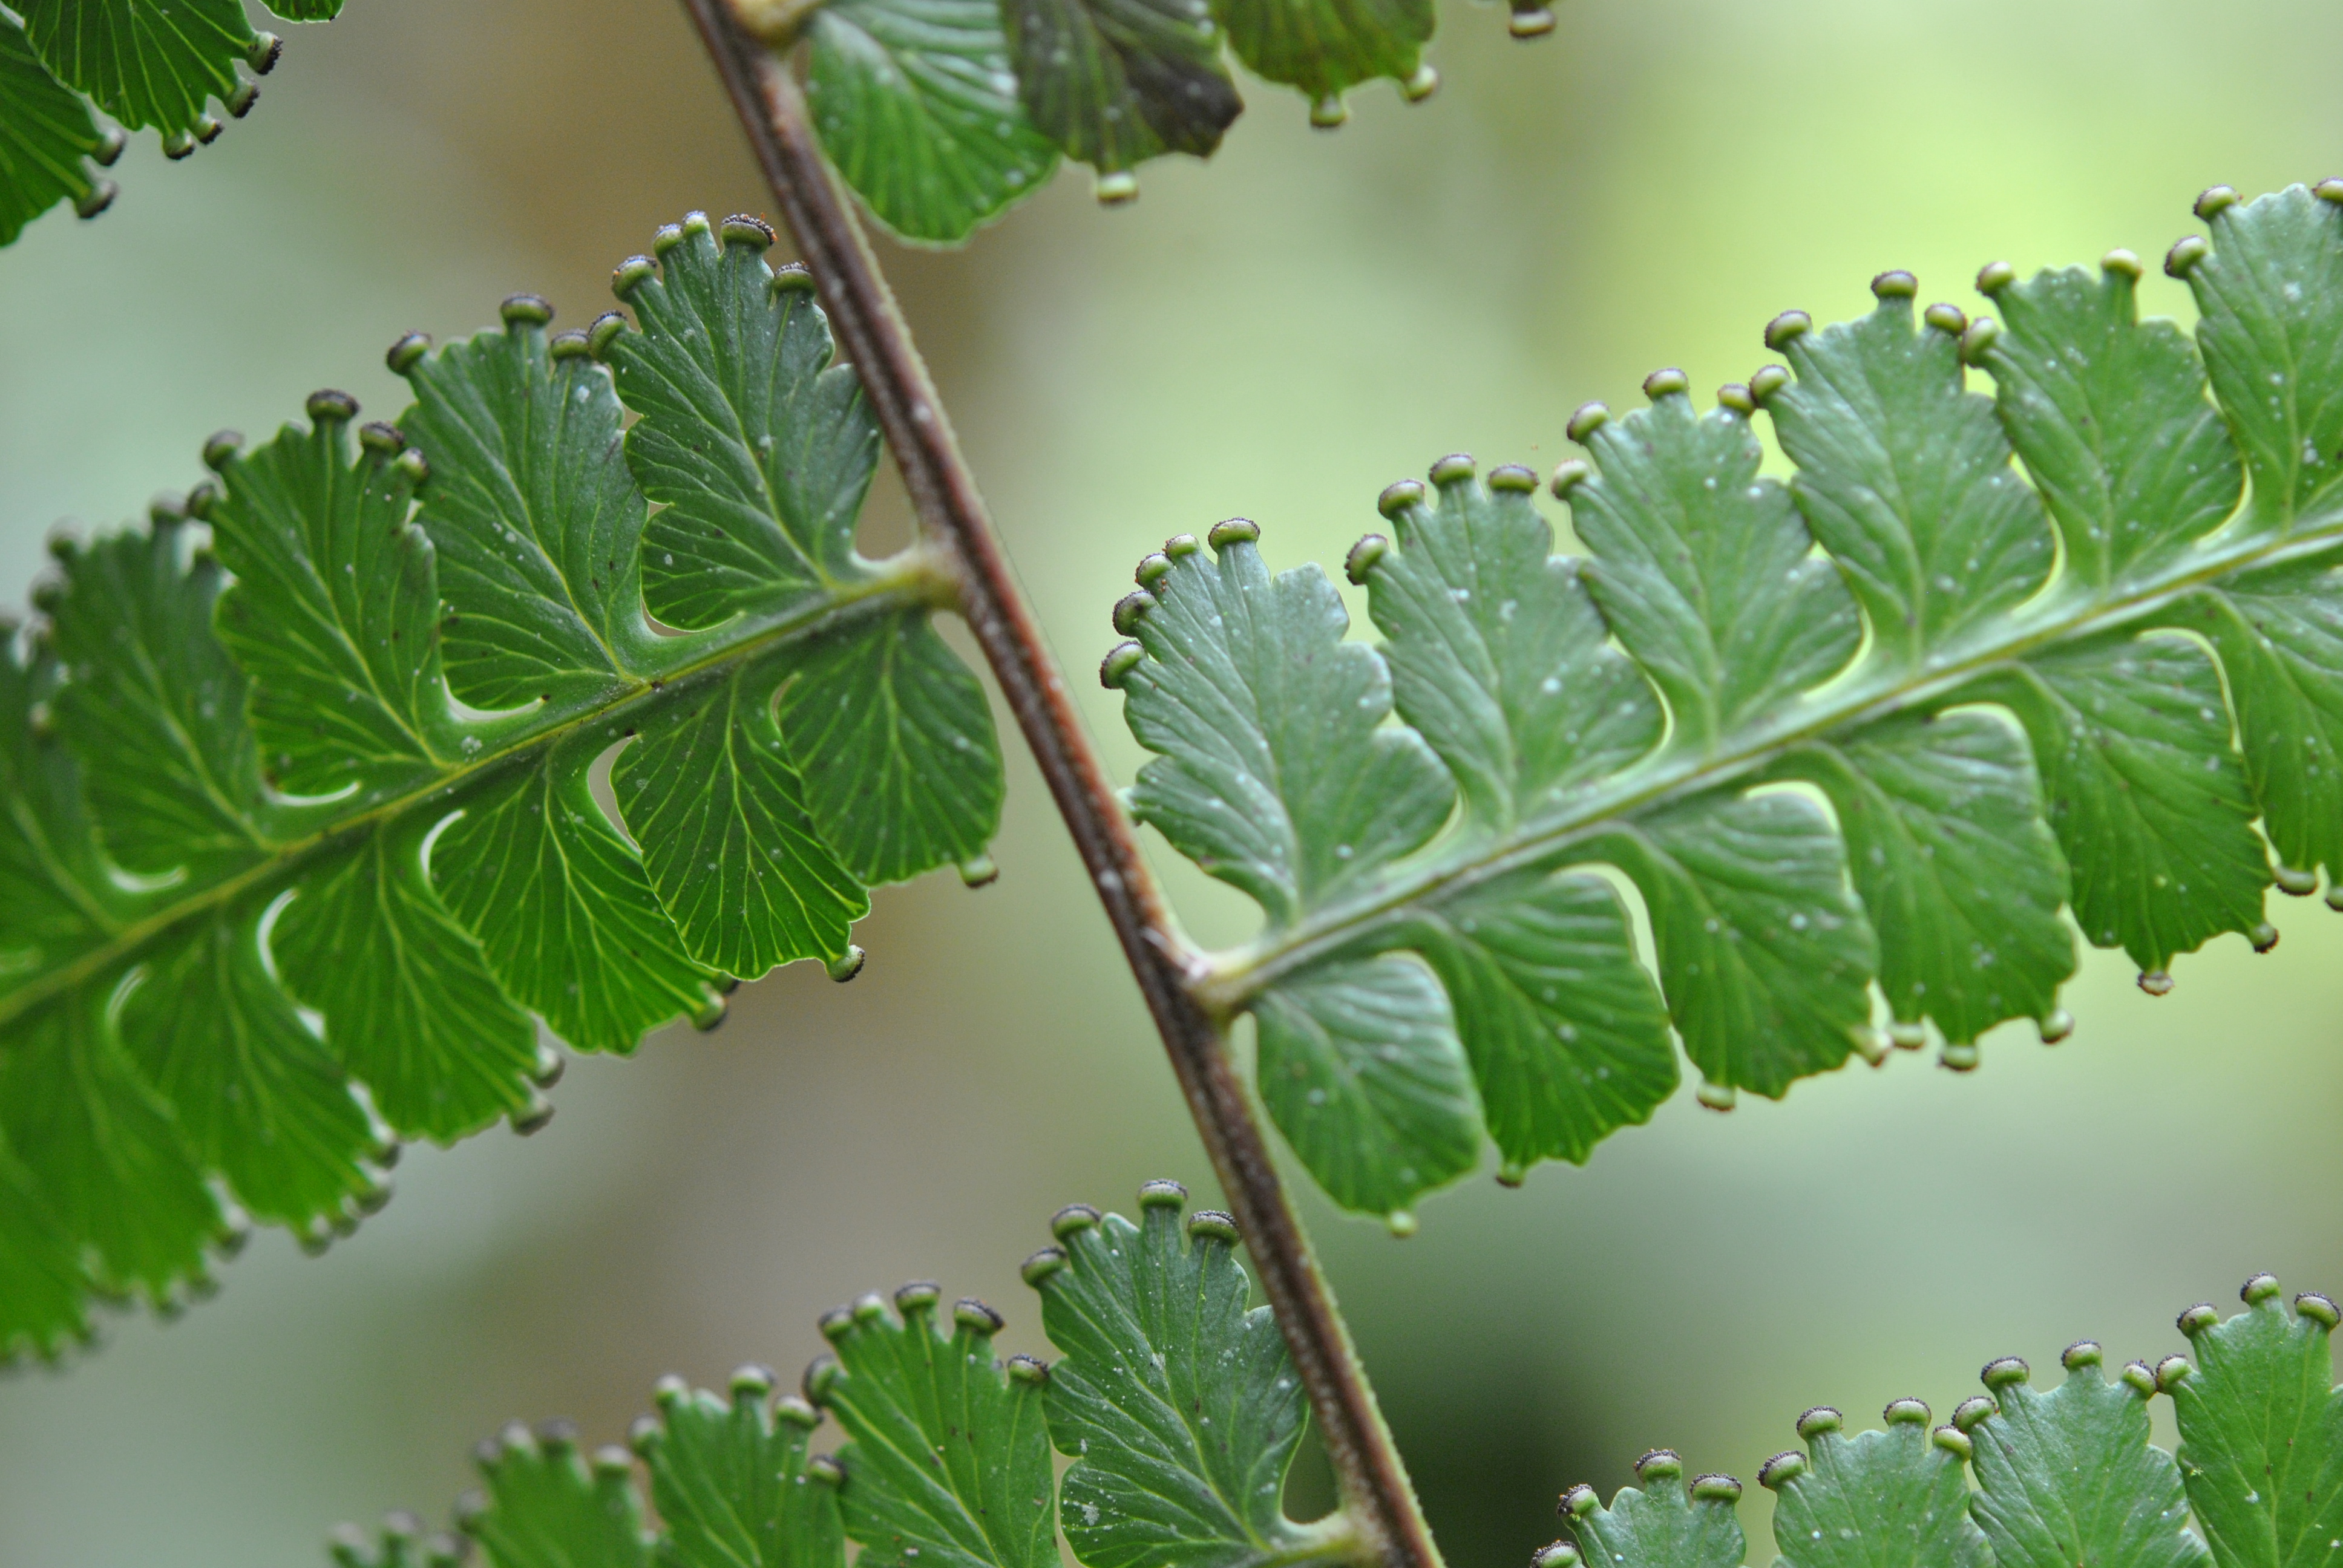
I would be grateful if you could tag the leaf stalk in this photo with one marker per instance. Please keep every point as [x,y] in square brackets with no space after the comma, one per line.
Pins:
[1376,1495]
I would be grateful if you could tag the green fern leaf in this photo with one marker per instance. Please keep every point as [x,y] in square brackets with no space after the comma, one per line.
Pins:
[1891,1499]
[760,452]
[2071,1476]
[734,1481]
[2261,1432]
[1664,1524]
[1176,1403]
[950,1462]
[1279,776]
[1326,47]
[399,1544]
[2063,1478]
[317,812]
[1179,1407]
[145,63]
[549,1507]
[47,138]
[916,103]
[1117,82]
[2079,695]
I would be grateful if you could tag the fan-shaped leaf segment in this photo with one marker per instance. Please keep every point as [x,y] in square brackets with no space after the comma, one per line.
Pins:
[1177,1404]
[942,114]
[141,62]
[2061,1478]
[1877,725]
[311,806]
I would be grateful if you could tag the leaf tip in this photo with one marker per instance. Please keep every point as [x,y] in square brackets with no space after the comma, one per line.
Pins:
[1669,382]
[1816,1420]
[1782,331]
[1161,1193]
[977,1318]
[405,354]
[748,231]
[2214,201]
[1120,661]
[1398,496]
[1659,1464]
[1530,19]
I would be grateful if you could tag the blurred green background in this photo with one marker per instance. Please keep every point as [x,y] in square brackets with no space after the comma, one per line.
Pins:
[1277,333]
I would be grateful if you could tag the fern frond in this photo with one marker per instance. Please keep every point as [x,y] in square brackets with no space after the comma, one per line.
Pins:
[2063,1478]
[1176,1405]
[1872,728]
[1179,1407]
[310,807]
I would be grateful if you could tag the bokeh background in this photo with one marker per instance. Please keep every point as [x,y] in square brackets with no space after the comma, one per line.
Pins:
[1277,333]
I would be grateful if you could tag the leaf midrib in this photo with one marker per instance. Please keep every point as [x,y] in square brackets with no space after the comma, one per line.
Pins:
[1236,976]
[917,580]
